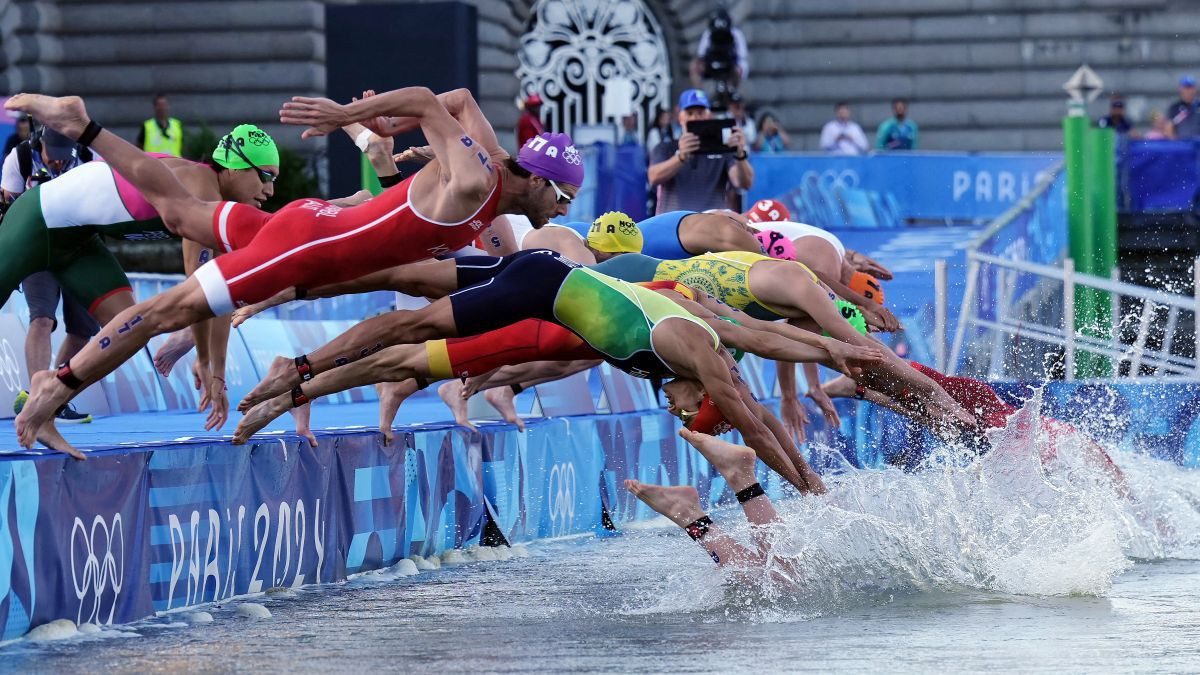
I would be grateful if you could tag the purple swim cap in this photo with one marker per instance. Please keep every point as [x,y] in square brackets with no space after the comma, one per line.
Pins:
[552,156]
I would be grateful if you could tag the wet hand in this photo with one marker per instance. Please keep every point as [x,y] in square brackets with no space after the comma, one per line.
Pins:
[825,404]
[320,115]
[794,418]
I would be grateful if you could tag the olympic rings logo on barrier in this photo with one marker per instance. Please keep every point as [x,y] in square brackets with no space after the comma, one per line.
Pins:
[560,498]
[103,567]
[10,368]
[833,178]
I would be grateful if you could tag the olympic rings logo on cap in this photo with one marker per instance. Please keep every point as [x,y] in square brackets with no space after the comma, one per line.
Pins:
[571,155]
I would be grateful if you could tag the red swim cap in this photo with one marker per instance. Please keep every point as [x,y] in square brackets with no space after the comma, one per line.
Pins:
[708,420]
[867,286]
[768,211]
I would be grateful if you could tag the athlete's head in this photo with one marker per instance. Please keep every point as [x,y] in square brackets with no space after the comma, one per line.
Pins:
[687,400]
[554,172]
[867,286]
[247,164]
[776,244]
[768,211]
[853,315]
[612,234]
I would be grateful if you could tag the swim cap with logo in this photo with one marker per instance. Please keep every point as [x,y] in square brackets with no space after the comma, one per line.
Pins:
[768,211]
[615,232]
[552,156]
[708,419]
[851,313]
[867,286]
[776,244]
[737,352]
[252,143]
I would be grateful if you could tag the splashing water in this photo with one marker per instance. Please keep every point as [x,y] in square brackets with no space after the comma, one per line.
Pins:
[1041,514]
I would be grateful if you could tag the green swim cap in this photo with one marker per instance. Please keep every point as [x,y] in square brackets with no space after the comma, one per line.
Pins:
[851,313]
[246,145]
[737,353]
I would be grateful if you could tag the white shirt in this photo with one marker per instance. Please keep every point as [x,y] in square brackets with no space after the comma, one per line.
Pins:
[10,176]
[856,144]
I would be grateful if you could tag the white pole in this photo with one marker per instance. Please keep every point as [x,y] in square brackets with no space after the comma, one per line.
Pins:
[1069,315]
[963,310]
[939,313]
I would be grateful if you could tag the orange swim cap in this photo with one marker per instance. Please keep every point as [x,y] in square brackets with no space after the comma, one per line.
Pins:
[867,286]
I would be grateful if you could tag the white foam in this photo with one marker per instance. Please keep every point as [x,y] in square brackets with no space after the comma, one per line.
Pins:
[520,551]
[281,592]
[404,568]
[199,617]
[454,556]
[58,629]
[422,563]
[88,628]
[483,553]
[253,610]
[503,552]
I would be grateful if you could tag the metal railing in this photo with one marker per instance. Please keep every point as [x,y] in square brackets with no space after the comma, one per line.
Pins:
[1138,354]
[1016,316]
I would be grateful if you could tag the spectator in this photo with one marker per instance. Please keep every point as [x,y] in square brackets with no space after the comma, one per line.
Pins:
[530,123]
[842,135]
[24,129]
[771,136]
[722,54]
[46,155]
[899,132]
[737,112]
[663,129]
[690,182]
[1184,114]
[1116,119]
[1160,129]
[629,132]
[161,133]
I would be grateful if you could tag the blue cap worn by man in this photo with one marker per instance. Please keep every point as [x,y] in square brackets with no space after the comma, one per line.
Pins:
[693,98]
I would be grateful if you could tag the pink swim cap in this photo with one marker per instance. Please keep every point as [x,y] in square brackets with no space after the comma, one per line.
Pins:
[776,244]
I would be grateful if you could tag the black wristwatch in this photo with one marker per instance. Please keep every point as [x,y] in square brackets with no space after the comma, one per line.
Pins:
[742,157]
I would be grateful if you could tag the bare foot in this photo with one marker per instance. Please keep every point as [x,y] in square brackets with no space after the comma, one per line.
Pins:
[65,114]
[46,396]
[501,399]
[448,392]
[680,504]
[260,416]
[177,344]
[391,396]
[735,462]
[281,377]
[301,416]
[49,436]
[471,387]
[840,387]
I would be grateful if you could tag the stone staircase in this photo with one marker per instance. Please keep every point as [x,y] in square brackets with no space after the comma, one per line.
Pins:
[981,74]
[220,62]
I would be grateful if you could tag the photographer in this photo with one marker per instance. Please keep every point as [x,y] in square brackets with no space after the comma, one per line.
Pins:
[46,155]
[688,181]
[722,54]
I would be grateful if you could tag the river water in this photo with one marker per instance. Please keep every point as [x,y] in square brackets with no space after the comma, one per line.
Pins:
[999,564]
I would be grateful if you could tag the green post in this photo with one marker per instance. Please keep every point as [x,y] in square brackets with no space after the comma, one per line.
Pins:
[1079,211]
[1104,233]
[1092,227]
[370,180]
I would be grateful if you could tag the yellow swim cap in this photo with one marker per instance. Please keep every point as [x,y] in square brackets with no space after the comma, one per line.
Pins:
[615,232]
